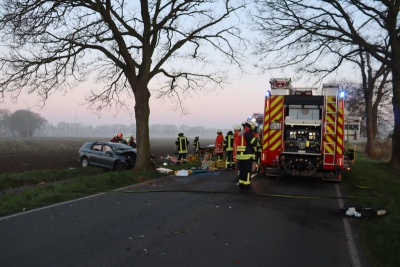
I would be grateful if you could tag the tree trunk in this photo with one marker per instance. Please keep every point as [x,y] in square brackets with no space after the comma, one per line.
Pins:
[368,88]
[142,114]
[374,122]
[395,160]
[370,148]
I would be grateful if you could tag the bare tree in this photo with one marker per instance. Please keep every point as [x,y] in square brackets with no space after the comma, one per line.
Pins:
[25,122]
[4,115]
[302,33]
[54,45]
[375,94]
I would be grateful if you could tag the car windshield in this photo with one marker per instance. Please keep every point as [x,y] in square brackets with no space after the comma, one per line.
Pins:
[121,148]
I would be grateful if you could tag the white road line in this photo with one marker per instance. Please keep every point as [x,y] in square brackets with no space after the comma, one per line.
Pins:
[47,207]
[74,200]
[352,247]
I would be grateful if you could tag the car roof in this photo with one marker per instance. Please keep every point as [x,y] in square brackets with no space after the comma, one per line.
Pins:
[111,144]
[102,142]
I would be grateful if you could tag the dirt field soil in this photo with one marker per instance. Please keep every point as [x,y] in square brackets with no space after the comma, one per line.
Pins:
[19,155]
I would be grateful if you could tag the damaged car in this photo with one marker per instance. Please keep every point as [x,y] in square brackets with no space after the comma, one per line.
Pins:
[113,156]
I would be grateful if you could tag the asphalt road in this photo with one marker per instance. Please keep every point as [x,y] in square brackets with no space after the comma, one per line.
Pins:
[136,228]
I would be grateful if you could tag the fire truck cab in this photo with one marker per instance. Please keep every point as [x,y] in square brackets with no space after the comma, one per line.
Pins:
[303,133]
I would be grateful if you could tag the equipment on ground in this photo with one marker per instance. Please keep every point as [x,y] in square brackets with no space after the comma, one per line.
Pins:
[303,133]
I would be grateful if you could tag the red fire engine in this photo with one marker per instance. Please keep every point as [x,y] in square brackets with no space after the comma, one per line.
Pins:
[303,133]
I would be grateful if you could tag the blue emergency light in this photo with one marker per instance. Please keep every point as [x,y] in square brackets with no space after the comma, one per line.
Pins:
[267,94]
[342,94]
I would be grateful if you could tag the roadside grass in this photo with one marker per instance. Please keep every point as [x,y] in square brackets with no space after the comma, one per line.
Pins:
[375,183]
[30,178]
[43,188]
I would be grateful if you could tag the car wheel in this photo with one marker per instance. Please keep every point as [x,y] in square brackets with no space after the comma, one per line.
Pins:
[119,166]
[84,162]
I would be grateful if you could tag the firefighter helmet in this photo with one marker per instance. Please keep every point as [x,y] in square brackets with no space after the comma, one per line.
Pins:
[251,124]
[236,128]
[180,134]
[219,131]
[119,135]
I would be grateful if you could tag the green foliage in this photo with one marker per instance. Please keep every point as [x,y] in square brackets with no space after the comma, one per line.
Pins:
[376,184]
[8,181]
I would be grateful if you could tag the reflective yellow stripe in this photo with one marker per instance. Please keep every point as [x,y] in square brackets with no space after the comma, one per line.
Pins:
[247,181]
[240,148]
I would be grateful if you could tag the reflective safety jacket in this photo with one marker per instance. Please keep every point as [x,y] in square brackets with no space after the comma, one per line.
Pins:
[228,141]
[182,144]
[246,145]
[235,136]
[196,144]
[219,142]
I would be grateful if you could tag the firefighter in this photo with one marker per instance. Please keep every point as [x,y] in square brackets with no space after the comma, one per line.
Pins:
[115,138]
[258,151]
[120,138]
[246,145]
[228,148]
[196,144]
[219,145]
[236,130]
[181,144]
[130,140]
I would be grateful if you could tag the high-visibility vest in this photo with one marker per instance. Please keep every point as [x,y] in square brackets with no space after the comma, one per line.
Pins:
[235,136]
[228,142]
[218,149]
[182,144]
[196,144]
[243,151]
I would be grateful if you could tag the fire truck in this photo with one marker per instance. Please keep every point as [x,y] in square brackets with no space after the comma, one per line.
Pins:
[303,132]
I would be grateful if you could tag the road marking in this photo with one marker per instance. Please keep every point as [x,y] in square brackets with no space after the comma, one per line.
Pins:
[47,207]
[70,201]
[352,247]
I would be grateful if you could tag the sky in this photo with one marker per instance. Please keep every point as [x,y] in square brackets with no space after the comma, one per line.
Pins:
[220,109]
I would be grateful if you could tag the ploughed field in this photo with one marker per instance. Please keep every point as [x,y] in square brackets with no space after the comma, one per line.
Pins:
[20,155]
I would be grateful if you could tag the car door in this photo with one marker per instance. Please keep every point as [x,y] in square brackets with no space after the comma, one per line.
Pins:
[107,159]
[95,154]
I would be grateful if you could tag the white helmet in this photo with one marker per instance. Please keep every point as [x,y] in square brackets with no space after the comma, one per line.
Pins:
[236,127]
[251,123]
[219,131]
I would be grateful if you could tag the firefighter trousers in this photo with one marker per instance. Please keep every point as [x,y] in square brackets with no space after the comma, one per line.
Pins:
[245,174]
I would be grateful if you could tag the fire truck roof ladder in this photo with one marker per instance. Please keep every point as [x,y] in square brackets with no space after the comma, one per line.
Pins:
[331,107]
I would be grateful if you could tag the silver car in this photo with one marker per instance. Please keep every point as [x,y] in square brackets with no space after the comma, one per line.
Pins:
[113,156]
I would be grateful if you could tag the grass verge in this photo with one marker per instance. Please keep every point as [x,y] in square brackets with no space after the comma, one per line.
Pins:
[376,184]
[43,188]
